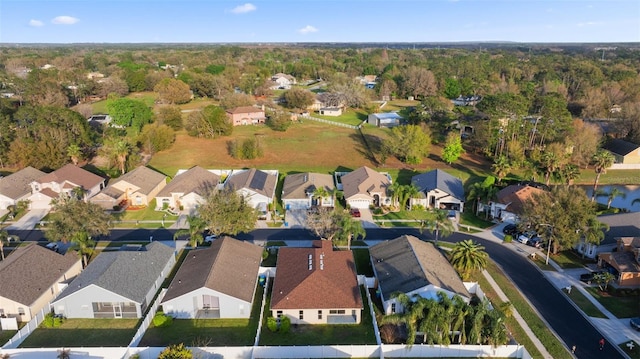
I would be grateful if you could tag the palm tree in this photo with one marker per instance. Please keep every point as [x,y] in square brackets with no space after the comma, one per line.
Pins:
[550,161]
[118,149]
[5,239]
[411,316]
[350,229]
[613,193]
[478,322]
[593,232]
[468,256]
[84,245]
[196,227]
[501,167]
[408,192]
[601,160]
[75,153]
[476,193]
[395,190]
[320,193]
[440,223]
[569,173]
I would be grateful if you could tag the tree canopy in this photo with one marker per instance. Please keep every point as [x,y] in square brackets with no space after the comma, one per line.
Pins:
[129,113]
[410,143]
[227,212]
[211,122]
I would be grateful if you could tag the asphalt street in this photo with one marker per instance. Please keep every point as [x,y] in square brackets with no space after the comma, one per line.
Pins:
[567,322]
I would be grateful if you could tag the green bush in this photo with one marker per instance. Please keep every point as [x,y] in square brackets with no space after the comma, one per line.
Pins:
[508,238]
[272,324]
[285,324]
[51,321]
[176,351]
[135,356]
[162,320]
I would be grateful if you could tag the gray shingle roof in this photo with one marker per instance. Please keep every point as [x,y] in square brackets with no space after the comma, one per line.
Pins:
[196,179]
[620,225]
[297,185]
[439,179]
[258,181]
[229,266]
[30,270]
[142,177]
[406,263]
[620,147]
[18,184]
[130,274]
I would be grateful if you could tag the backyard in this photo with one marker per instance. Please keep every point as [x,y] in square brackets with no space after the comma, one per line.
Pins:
[84,333]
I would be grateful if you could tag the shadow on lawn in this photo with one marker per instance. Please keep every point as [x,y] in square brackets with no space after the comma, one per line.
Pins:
[75,337]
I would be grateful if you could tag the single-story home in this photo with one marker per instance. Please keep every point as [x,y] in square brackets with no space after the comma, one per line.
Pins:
[385,119]
[31,277]
[63,180]
[216,282]
[330,111]
[624,151]
[299,190]
[282,81]
[413,267]
[16,187]
[624,224]
[625,260]
[256,186]
[365,187]
[438,189]
[246,115]
[138,188]
[316,285]
[187,190]
[510,200]
[117,284]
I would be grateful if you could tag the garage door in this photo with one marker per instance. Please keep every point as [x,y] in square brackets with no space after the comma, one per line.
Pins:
[359,203]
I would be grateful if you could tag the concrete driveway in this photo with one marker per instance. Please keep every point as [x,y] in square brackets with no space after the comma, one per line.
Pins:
[29,220]
[366,216]
[296,218]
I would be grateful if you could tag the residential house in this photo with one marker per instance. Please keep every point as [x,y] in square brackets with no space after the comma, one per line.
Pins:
[385,119]
[365,187]
[466,100]
[138,188]
[246,115]
[257,187]
[438,189]
[16,187]
[510,200]
[316,285]
[187,190]
[330,111]
[31,277]
[625,260]
[216,282]
[282,81]
[624,151]
[625,224]
[298,190]
[63,181]
[117,284]
[411,266]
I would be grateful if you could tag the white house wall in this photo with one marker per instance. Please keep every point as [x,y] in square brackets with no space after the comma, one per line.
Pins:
[187,305]
[253,198]
[310,316]
[79,304]
[6,201]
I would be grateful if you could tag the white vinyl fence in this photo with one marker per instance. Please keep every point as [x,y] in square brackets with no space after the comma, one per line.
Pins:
[147,319]
[335,123]
[23,333]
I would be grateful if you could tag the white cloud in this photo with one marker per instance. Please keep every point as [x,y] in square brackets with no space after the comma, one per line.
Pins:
[64,20]
[307,29]
[243,9]
[35,23]
[590,23]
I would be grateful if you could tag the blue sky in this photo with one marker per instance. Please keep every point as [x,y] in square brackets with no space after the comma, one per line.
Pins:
[161,21]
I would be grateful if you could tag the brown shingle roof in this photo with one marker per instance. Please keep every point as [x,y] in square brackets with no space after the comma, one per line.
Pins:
[244,109]
[364,180]
[18,184]
[142,177]
[514,196]
[32,269]
[73,174]
[330,283]
[297,185]
[229,266]
[258,181]
[196,179]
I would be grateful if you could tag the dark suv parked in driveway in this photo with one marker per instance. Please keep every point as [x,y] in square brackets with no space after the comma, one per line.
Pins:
[510,229]
[589,276]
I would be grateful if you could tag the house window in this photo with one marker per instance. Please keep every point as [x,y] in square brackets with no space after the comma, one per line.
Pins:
[320,315]
[393,307]
[279,314]
[301,315]
[20,311]
[337,311]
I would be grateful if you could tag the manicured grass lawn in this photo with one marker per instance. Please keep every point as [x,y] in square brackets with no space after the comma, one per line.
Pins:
[84,333]
[570,259]
[540,261]
[147,213]
[584,304]
[363,261]
[145,225]
[207,332]
[632,353]
[350,117]
[621,307]
[469,218]
[611,177]
[323,334]
[415,215]
[5,335]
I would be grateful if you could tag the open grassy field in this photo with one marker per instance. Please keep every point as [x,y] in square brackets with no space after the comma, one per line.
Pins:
[84,333]
[350,117]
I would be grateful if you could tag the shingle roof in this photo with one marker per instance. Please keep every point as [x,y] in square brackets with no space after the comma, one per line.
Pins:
[296,186]
[32,269]
[406,263]
[130,274]
[620,225]
[514,196]
[330,283]
[363,181]
[258,181]
[73,174]
[229,266]
[439,179]
[196,179]
[142,177]
[620,147]
[244,109]
[18,184]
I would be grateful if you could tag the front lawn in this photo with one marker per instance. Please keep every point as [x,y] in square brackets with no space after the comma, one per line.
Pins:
[323,334]
[584,304]
[148,213]
[207,332]
[621,307]
[414,215]
[84,333]
[570,259]
[470,219]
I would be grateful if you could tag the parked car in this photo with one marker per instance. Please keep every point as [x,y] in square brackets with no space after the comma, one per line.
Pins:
[534,242]
[53,246]
[210,238]
[355,212]
[635,323]
[525,237]
[589,276]
[510,229]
